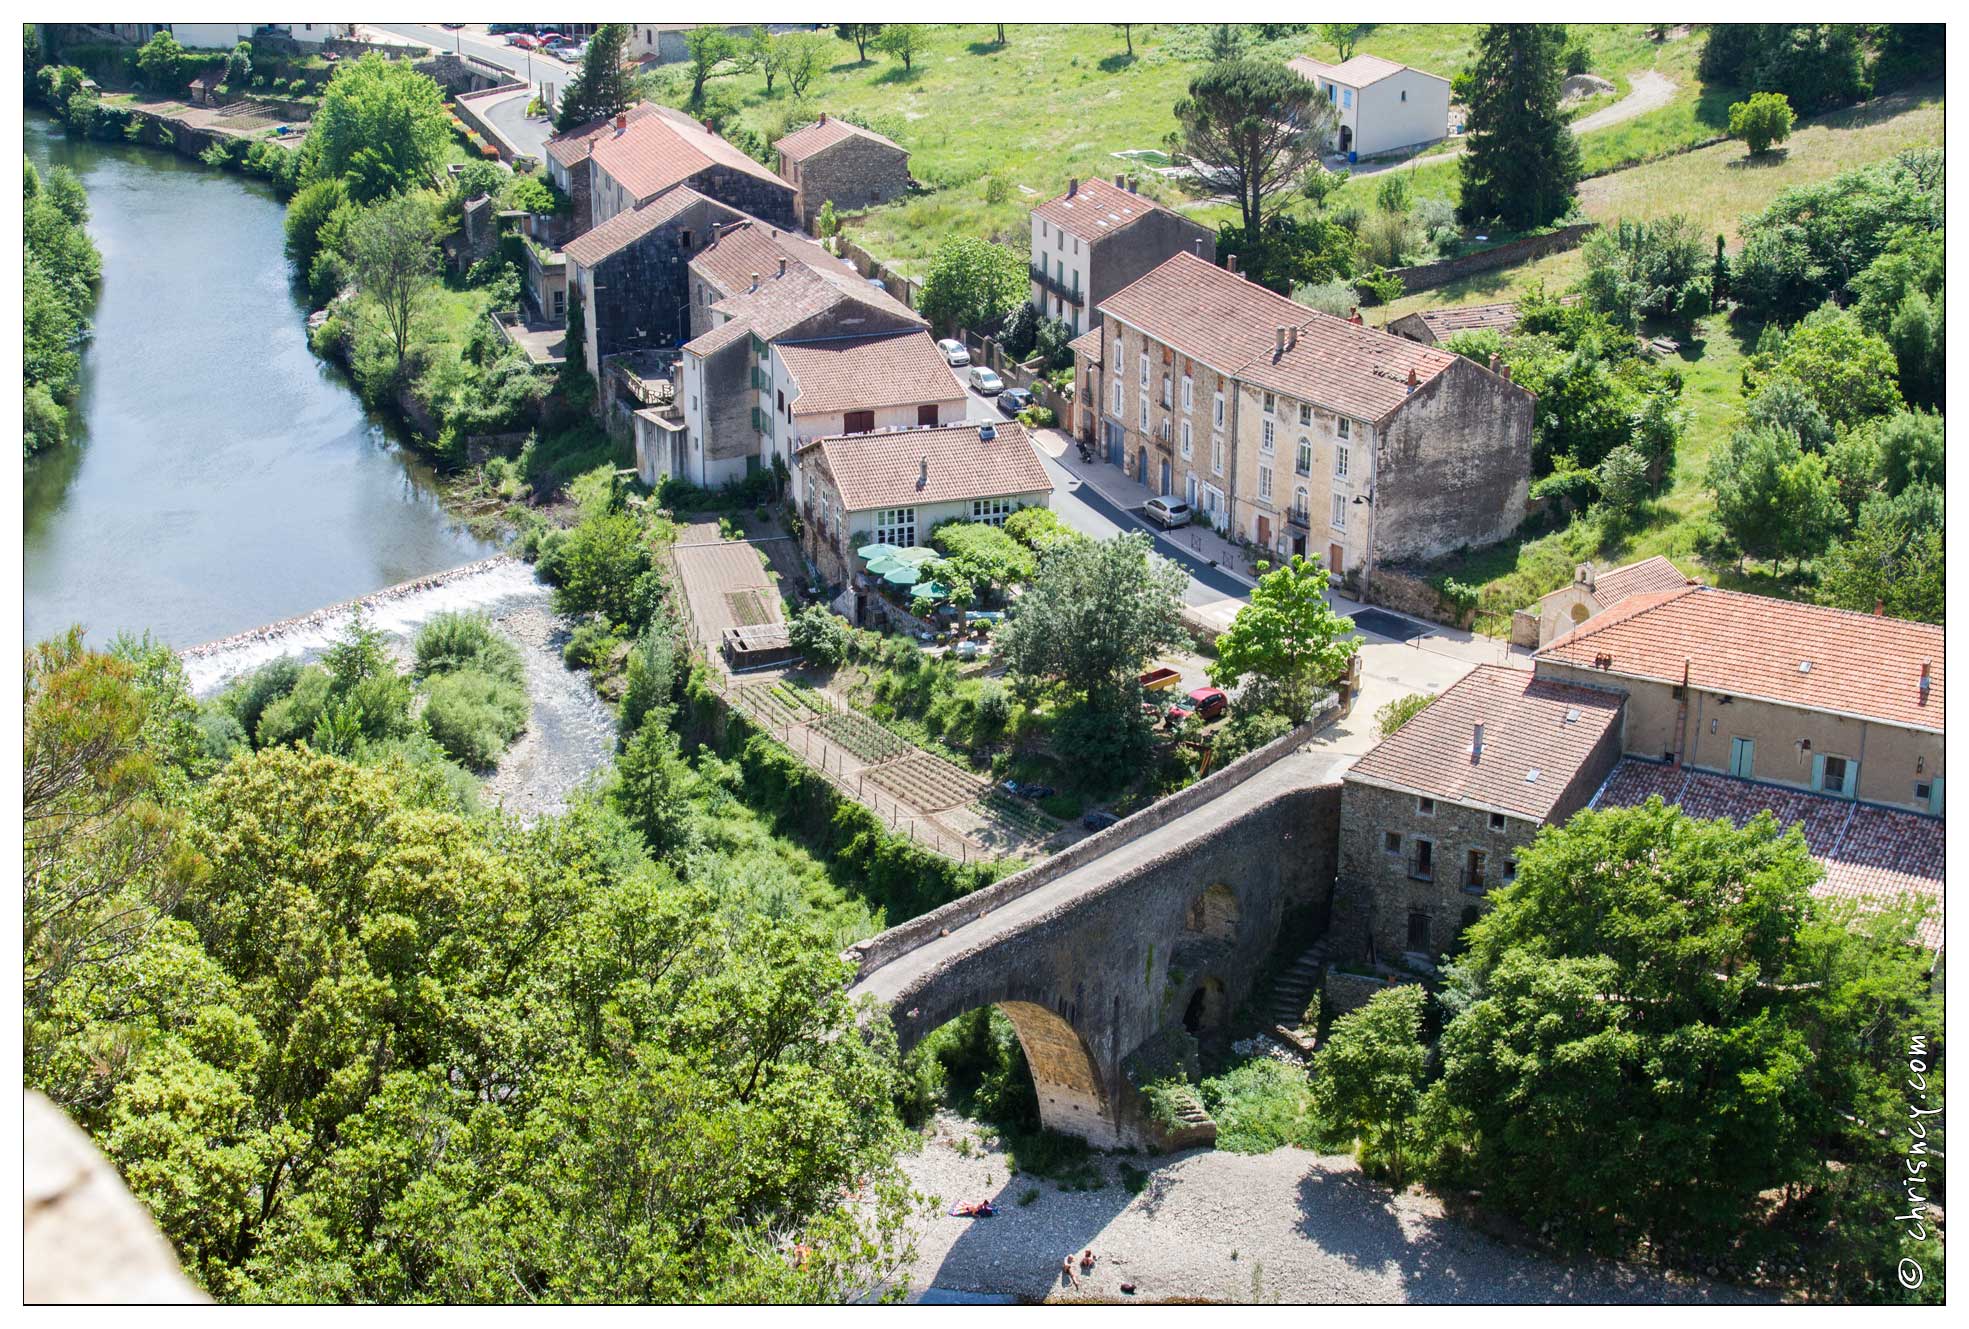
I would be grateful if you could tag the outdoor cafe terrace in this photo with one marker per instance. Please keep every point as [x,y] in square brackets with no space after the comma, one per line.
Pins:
[1868,853]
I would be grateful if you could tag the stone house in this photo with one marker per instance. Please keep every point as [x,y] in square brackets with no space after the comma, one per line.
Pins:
[1796,696]
[610,166]
[1098,237]
[631,273]
[1433,818]
[1432,327]
[846,164]
[758,291]
[1380,106]
[1298,432]
[896,487]
[1592,592]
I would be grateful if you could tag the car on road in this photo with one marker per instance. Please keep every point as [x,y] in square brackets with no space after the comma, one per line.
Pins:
[525,41]
[954,353]
[1013,400]
[1204,703]
[985,381]
[1168,512]
[1099,821]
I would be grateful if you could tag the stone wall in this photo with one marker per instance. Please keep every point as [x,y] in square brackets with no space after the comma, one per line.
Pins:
[1453,468]
[1524,628]
[1427,276]
[770,201]
[901,287]
[1406,593]
[1349,992]
[467,106]
[1134,251]
[854,174]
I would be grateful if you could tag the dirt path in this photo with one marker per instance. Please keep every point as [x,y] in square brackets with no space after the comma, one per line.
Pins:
[1288,1226]
[1648,91]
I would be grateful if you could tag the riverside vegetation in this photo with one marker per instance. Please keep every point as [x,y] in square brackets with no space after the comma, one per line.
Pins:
[60,270]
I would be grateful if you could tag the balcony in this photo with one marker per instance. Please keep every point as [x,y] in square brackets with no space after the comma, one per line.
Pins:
[1300,517]
[1047,281]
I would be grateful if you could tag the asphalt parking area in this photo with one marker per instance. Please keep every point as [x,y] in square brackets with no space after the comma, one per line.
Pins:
[1391,626]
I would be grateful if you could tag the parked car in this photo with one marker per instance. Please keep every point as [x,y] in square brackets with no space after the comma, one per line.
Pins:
[954,353]
[986,381]
[1168,512]
[524,41]
[1031,791]
[1013,400]
[1205,703]
[1099,821]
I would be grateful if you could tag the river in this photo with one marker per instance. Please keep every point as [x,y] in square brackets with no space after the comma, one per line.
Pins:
[222,477]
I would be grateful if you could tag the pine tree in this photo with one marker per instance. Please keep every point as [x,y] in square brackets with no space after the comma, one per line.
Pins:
[1522,161]
[600,88]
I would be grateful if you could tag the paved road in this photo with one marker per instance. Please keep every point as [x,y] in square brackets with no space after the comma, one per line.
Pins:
[508,114]
[1647,91]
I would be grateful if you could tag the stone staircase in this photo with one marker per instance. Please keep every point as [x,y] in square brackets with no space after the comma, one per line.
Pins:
[1296,985]
[1195,1128]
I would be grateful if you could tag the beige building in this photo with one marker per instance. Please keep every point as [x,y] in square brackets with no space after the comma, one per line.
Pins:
[1592,592]
[1379,106]
[1799,696]
[1098,237]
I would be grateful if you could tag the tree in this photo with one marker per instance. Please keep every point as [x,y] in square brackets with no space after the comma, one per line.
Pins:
[713,54]
[382,128]
[861,34]
[1911,451]
[1095,613]
[1391,717]
[1773,500]
[972,281]
[1321,184]
[393,255]
[1892,560]
[1521,161]
[1848,371]
[601,88]
[1644,962]
[1342,37]
[1226,42]
[1762,121]
[239,68]
[1637,270]
[1128,36]
[602,567]
[903,42]
[652,787]
[1368,1078]
[819,635]
[1287,641]
[161,62]
[1258,125]
[803,57]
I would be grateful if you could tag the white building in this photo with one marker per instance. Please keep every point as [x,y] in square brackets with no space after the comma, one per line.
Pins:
[1380,106]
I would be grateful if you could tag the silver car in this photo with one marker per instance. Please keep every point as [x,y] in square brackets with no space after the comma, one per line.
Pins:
[954,353]
[986,381]
[1168,513]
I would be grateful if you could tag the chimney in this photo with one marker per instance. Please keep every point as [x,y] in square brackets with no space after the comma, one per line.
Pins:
[1494,362]
[782,265]
[707,126]
[1926,665]
[823,117]
[1586,575]
[755,283]
[1354,314]
[1477,740]
[1506,372]
[1413,381]
[621,121]
[1118,182]
[1131,185]
[1199,246]
[1880,609]
[1230,263]
[1073,185]
[923,470]
[1278,347]
[1291,338]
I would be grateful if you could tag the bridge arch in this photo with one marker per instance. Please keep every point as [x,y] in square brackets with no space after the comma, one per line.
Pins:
[1071,1097]
[1209,1006]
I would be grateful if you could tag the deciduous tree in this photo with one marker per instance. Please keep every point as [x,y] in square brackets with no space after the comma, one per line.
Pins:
[382,128]
[1761,122]
[1368,1078]
[1287,643]
[972,281]
[393,255]
[902,42]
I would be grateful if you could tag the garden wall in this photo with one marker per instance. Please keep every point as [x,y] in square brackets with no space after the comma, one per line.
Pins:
[1408,594]
[466,104]
[1425,276]
[868,265]
[1349,992]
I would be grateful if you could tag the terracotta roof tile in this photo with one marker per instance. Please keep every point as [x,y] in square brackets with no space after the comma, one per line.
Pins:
[659,147]
[1648,575]
[625,228]
[1096,209]
[1754,646]
[1230,323]
[1087,346]
[1468,318]
[913,467]
[825,133]
[1358,72]
[1526,729]
[1868,853]
[573,145]
[718,338]
[866,373]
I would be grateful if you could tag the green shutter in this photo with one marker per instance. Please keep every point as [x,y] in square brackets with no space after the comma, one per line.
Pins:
[1818,770]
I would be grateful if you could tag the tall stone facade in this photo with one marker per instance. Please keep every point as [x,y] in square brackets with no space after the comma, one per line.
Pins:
[1141,246]
[1452,468]
[639,295]
[853,174]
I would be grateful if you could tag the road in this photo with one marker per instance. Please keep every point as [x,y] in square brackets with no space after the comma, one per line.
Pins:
[508,115]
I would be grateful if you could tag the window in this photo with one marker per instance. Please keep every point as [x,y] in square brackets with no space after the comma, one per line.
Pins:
[684,238]
[926,414]
[1346,427]
[1165,392]
[1418,931]
[1271,404]
[1339,463]
[1404,94]
[1145,413]
[1217,456]
[1265,483]
[1425,807]
[1189,395]
[1117,396]
[1186,440]
[1339,513]
[1422,861]
[1302,463]
[1497,821]
[1924,792]
[1391,842]
[1835,775]
[1144,358]
[1266,442]
[781,404]
[1473,870]
[1305,415]
[1300,510]
[896,526]
[1510,869]
[858,422]
[1217,410]
[992,511]
[1346,97]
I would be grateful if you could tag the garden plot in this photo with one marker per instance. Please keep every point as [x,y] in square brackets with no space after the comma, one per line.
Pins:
[858,734]
[927,782]
[748,609]
[775,704]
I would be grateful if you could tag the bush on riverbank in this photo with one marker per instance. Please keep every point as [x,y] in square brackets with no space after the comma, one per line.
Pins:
[474,716]
[60,271]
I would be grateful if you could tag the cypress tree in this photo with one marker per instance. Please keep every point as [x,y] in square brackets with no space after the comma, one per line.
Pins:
[1522,161]
[600,88]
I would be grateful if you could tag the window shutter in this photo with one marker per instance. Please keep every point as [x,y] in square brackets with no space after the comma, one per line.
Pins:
[1818,770]
[1935,796]
[1852,786]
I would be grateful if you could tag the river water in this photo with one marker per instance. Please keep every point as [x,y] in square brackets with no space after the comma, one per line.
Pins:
[223,476]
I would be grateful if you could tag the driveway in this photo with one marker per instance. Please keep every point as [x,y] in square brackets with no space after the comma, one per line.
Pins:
[1647,91]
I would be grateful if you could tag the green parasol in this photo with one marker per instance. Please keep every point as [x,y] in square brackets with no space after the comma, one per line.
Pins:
[902,576]
[936,590]
[885,564]
[877,551]
[915,555]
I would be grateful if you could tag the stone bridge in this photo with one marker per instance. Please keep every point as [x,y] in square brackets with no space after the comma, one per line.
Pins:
[1161,921]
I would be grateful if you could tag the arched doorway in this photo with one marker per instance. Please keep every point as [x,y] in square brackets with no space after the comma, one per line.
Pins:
[1208,1007]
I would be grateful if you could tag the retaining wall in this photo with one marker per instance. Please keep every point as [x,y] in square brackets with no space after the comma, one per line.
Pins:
[466,104]
[1426,276]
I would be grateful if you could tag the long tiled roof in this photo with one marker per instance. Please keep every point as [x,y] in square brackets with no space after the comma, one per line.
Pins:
[658,147]
[1358,72]
[1752,646]
[1087,346]
[1650,574]
[825,133]
[1230,323]
[1870,854]
[625,228]
[573,145]
[1096,209]
[1469,318]
[814,280]
[913,467]
[718,338]
[1537,735]
[867,373]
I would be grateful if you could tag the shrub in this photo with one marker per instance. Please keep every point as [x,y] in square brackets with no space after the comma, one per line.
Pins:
[591,644]
[992,711]
[451,642]
[1038,417]
[219,732]
[1399,712]
[474,715]
[1762,121]
[819,636]
[293,715]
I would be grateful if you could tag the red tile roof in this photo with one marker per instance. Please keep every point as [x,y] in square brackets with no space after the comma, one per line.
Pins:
[1087,346]
[1096,209]
[1359,72]
[1230,323]
[659,147]
[1531,724]
[573,145]
[1868,853]
[825,133]
[1751,646]
[866,373]
[914,467]
[1650,574]
[625,228]
[814,281]
[1467,318]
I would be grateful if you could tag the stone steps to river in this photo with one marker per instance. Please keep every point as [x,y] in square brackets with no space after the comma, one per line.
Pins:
[1296,985]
